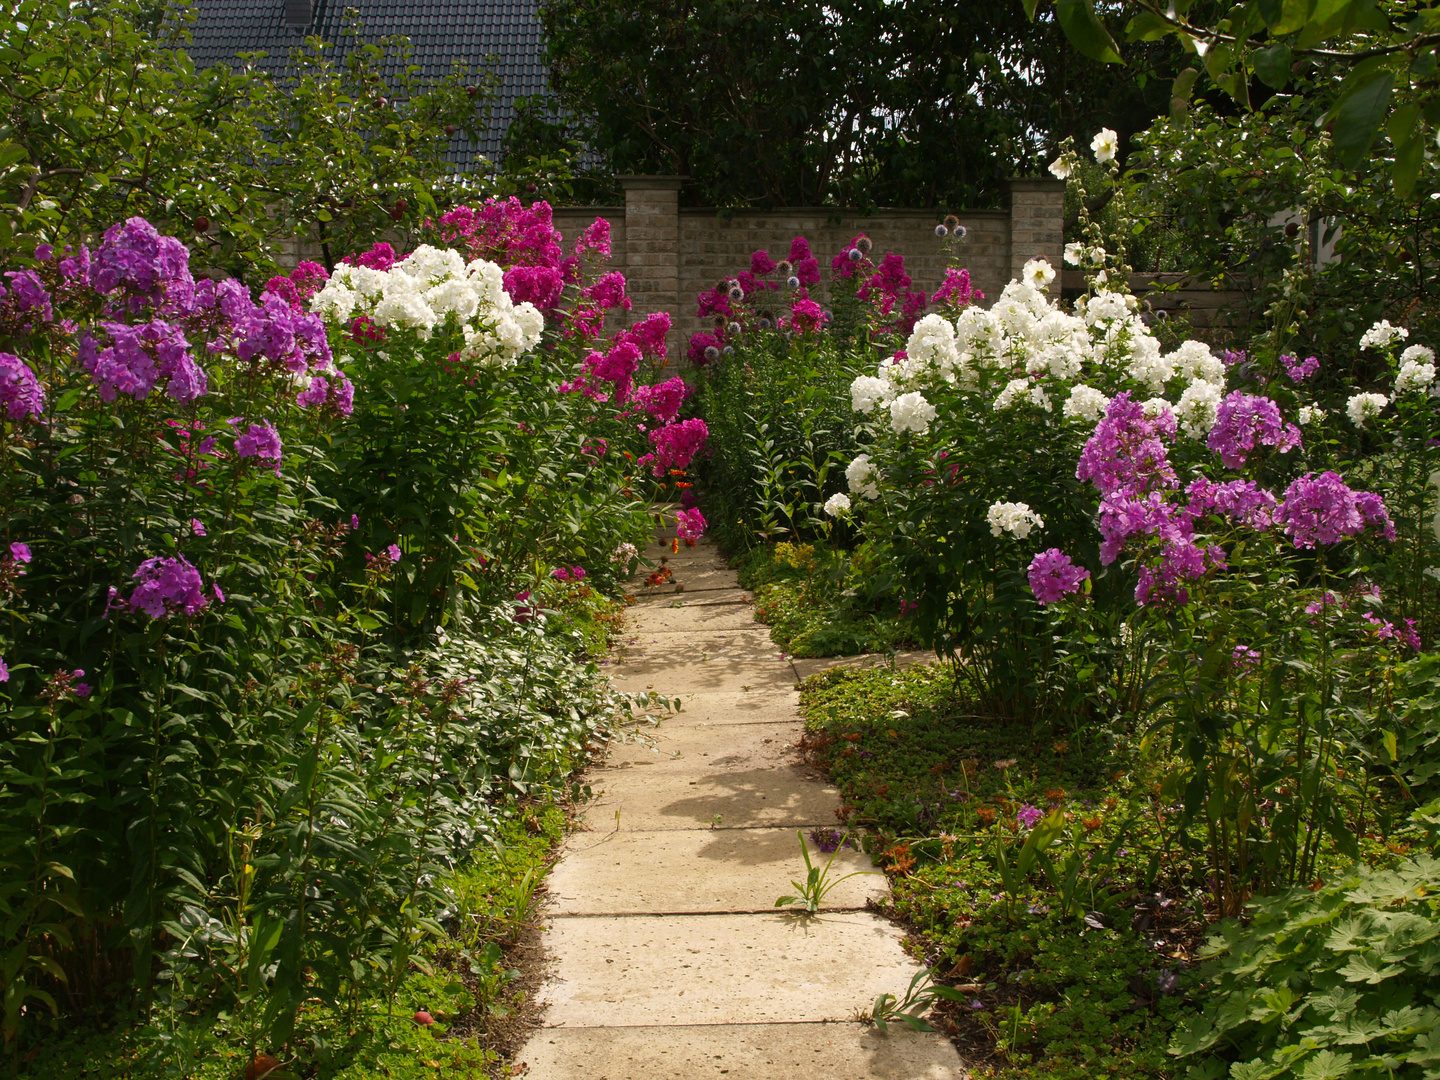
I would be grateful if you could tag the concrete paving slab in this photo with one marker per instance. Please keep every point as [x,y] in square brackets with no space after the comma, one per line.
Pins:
[745,798]
[732,671]
[807,666]
[742,644]
[754,706]
[731,969]
[685,616]
[709,870]
[694,579]
[705,745]
[844,1051]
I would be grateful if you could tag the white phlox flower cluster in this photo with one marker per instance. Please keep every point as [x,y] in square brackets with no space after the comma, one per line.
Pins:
[1382,334]
[1417,370]
[933,343]
[863,477]
[1018,390]
[1016,518]
[837,504]
[421,290]
[1084,403]
[867,391]
[1197,409]
[1363,407]
[1104,307]
[1147,365]
[1194,362]
[911,412]
[1309,414]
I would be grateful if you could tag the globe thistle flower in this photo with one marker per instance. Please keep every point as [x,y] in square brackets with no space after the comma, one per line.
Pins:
[854,254]
[952,223]
[792,282]
[863,245]
[941,231]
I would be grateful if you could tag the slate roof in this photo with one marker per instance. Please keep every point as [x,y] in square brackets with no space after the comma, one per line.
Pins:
[502,36]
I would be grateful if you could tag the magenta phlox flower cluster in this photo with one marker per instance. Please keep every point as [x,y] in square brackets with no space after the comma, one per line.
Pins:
[595,238]
[381,256]
[259,441]
[1300,370]
[303,282]
[701,347]
[542,286]
[1127,450]
[609,291]
[1243,422]
[714,302]
[689,524]
[956,291]
[807,267]
[889,280]
[507,232]
[21,394]
[675,445]
[649,334]
[147,266]
[1242,501]
[851,260]
[806,316]
[1322,509]
[1382,630]
[761,264]
[616,366]
[663,400]
[137,357]
[1053,576]
[572,573]
[166,586]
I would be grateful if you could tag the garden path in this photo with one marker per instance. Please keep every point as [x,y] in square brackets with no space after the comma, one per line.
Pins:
[668,956]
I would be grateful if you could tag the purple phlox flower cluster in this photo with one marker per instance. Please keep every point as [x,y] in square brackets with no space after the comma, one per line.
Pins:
[806,316]
[20,553]
[1053,576]
[1028,816]
[1242,501]
[1244,421]
[1243,658]
[609,291]
[148,267]
[168,585]
[28,296]
[542,286]
[139,356]
[21,394]
[1382,630]
[689,524]
[761,264]
[573,573]
[663,400]
[1180,560]
[1300,370]
[260,441]
[1123,516]
[956,291]
[689,500]
[1321,509]
[274,331]
[1234,357]
[676,445]
[335,394]
[1127,450]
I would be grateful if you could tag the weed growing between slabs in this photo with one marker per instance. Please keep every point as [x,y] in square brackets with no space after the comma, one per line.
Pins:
[1087,965]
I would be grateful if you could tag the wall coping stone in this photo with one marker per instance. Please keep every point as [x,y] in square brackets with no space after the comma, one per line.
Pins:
[648,182]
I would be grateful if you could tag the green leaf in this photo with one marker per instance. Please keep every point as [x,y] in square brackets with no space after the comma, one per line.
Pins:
[1359,116]
[1086,32]
[1030,6]
[1272,64]
[1147,26]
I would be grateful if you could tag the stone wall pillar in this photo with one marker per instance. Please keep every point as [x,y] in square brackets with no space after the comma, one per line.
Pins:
[652,245]
[1037,222]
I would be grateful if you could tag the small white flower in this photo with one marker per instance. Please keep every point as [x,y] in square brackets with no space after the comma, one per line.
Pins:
[1414,374]
[1060,168]
[911,412]
[1309,414]
[863,477]
[1085,403]
[1197,409]
[1383,334]
[1037,273]
[1363,407]
[1105,144]
[837,504]
[867,391]
[1015,518]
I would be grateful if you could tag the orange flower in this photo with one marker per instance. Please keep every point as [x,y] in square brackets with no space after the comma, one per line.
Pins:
[1091,823]
[986,814]
[1055,794]
[683,484]
[900,858]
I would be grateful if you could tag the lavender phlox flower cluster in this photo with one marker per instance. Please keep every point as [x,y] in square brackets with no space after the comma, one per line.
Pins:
[1300,370]
[1127,451]
[166,586]
[1053,576]
[137,357]
[1244,421]
[1180,560]
[1321,509]
[273,330]
[335,394]
[137,266]
[1242,501]
[27,297]
[260,441]
[21,394]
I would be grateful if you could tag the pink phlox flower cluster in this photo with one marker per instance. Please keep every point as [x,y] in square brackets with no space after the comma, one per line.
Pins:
[676,445]
[1321,509]
[1053,576]
[381,256]
[806,316]
[259,441]
[1300,370]
[137,357]
[1242,501]
[1127,450]
[573,573]
[1244,658]
[1383,630]
[1028,816]
[663,400]
[21,394]
[595,448]
[542,286]
[166,586]
[689,524]
[956,291]
[1244,421]
[761,264]
[585,322]
[609,291]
